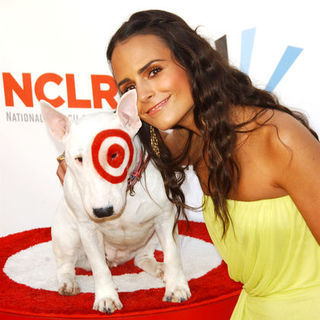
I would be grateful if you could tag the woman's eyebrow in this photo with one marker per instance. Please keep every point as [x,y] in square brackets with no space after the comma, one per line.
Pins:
[148,64]
[141,70]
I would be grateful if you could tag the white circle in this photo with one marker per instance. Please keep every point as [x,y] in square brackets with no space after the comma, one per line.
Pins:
[103,151]
[35,267]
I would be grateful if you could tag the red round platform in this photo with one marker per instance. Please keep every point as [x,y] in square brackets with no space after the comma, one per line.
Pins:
[214,295]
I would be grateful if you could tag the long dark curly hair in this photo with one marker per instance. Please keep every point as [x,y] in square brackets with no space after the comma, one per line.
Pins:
[216,87]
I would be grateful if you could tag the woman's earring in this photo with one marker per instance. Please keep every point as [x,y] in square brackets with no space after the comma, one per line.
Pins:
[154,141]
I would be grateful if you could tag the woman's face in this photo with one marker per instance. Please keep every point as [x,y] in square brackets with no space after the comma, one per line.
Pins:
[145,63]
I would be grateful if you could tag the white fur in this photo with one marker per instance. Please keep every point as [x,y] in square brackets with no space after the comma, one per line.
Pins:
[135,228]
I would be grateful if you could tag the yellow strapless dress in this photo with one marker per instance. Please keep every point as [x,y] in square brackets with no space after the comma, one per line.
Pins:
[272,252]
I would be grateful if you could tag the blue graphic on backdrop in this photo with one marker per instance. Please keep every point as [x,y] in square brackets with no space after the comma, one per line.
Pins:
[286,61]
[247,41]
[247,44]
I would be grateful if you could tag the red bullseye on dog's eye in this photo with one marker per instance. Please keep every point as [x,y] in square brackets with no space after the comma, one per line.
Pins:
[115,155]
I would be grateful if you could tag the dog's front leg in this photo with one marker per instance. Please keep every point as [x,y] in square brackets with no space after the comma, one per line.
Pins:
[106,296]
[177,289]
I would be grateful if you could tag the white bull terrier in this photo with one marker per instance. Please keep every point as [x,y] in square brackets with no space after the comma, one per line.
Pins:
[99,217]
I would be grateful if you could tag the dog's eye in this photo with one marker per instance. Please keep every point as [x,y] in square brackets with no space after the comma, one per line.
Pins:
[78,159]
[114,155]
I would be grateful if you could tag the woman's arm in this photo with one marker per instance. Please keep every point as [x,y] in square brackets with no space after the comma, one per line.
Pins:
[296,167]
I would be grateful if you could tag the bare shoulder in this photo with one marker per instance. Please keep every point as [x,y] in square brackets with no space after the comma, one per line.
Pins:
[270,148]
[285,136]
[295,156]
[276,130]
[288,126]
[286,149]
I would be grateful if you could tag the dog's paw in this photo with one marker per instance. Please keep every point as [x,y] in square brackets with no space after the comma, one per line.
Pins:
[177,291]
[107,304]
[69,288]
[177,295]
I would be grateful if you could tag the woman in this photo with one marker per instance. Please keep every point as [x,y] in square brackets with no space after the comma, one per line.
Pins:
[258,163]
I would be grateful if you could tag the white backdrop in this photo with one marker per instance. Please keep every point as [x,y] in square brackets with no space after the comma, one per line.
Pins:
[68,38]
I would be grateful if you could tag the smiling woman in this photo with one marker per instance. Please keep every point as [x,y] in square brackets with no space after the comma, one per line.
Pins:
[146,64]
[257,161]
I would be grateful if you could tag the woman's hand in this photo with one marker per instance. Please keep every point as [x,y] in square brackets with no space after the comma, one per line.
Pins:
[62,168]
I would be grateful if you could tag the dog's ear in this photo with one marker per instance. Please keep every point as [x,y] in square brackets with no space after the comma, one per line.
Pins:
[57,123]
[127,112]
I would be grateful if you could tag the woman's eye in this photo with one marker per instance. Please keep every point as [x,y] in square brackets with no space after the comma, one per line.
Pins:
[132,87]
[154,71]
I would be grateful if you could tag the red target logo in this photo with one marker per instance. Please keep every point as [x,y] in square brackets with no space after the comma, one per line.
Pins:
[115,154]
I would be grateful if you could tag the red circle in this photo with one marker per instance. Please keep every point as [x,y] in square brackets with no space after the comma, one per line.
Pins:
[214,293]
[115,155]
[95,148]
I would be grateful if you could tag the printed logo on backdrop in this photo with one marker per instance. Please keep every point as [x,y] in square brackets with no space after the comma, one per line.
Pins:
[22,92]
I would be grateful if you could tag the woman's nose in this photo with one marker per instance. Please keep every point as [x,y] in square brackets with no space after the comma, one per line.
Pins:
[144,92]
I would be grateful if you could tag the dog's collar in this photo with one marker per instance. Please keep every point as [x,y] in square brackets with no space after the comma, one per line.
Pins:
[135,176]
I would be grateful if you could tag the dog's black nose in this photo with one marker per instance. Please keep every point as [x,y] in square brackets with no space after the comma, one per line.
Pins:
[103,212]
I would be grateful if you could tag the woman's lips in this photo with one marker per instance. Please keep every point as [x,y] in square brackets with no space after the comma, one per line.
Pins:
[157,107]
